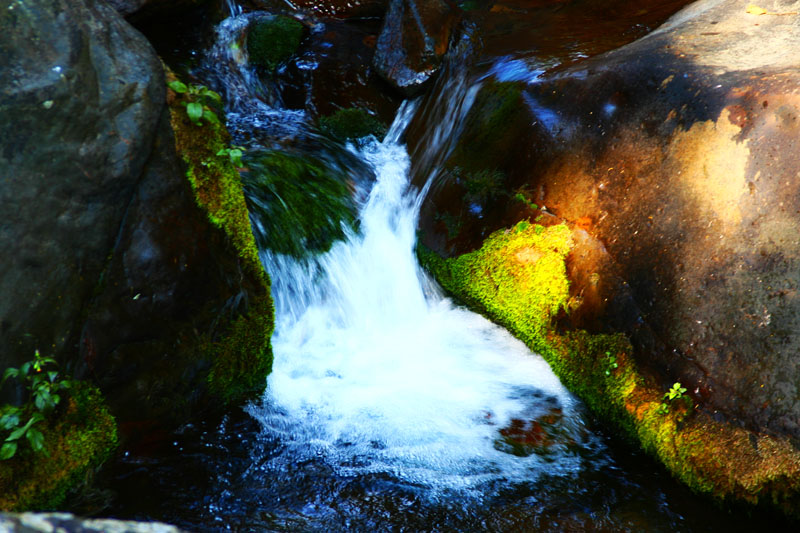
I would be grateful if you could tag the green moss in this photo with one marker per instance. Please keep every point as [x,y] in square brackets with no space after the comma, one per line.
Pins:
[273,40]
[243,358]
[79,437]
[304,205]
[352,123]
[239,350]
[518,278]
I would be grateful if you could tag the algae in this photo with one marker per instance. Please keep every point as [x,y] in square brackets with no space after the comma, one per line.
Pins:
[273,40]
[303,204]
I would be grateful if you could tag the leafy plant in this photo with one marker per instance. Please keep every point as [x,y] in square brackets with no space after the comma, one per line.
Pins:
[235,154]
[523,199]
[196,109]
[610,363]
[43,386]
[677,392]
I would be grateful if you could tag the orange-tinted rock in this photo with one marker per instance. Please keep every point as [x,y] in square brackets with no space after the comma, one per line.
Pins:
[677,158]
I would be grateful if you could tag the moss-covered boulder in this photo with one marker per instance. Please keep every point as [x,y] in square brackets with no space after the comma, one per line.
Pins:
[519,279]
[302,204]
[352,123]
[78,437]
[273,40]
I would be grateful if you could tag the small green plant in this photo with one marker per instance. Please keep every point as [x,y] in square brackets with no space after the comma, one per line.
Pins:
[523,199]
[610,363]
[196,109]
[677,392]
[234,153]
[43,386]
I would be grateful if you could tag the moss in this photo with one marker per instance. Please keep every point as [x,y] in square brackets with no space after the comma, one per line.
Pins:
[79,437]
[492,128]
[243,358]
[352,123]
[304,205]
[273,40]
[518,278]
[240,350]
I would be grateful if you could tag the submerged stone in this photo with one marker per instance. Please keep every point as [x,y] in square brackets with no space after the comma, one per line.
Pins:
[351,124]
[302,205]
[273,40]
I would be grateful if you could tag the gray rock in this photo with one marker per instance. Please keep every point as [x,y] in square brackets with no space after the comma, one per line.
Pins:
[68,523]
[81,92]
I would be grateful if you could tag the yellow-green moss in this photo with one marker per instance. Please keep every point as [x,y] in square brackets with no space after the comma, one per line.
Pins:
[240,351]
[518,278]
[243,358]
[79,437]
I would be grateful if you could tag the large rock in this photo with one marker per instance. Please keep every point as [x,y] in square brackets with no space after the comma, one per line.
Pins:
[48,522]
[675,159]
[81,93]
[131,275]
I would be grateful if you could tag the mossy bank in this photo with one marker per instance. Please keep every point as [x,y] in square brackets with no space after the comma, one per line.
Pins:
[78,437]
[519,279]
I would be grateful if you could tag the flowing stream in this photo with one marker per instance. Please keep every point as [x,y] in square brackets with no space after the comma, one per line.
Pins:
[391,408]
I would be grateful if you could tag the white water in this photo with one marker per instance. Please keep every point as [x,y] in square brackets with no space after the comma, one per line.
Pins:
[375,371]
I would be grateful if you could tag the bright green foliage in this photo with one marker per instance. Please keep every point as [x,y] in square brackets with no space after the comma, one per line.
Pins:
[303,205]
[522,198]
[196,103]
[234,154]
[675,393]
[352,123]
[44,385]
[611,363]
[273,40]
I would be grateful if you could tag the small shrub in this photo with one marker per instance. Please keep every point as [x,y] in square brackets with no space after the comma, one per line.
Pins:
[197,99]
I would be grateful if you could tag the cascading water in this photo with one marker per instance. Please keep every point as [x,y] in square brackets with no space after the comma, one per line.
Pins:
[376,374]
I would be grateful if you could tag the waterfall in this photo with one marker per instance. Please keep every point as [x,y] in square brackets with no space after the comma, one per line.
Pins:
[376,372]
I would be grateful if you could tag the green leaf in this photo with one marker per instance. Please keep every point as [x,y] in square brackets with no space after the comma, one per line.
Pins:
[211,94]
[195,112]
[177,86]
[36,439]
[9,420]
[25,368]
[9,373]
[8,450]
[52,375]
[210,116]
[236,157]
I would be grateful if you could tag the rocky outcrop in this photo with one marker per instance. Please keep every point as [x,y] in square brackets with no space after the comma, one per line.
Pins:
[675,161]
[413,41]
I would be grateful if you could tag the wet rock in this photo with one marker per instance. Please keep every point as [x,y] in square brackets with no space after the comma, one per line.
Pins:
[139,9]
[352,123]
[413,41]
[48,522]
[333,71]
[675,159]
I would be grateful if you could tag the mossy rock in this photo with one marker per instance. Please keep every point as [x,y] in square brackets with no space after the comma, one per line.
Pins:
[273,40]
[239,348]
[352,123]
[303,205]
[78,437]
[518,278]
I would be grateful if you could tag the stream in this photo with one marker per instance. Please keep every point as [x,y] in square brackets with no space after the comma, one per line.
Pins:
[390,407]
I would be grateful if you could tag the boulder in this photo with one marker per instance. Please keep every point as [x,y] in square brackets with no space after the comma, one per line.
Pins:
[675,161]
[415,36]
[47,522]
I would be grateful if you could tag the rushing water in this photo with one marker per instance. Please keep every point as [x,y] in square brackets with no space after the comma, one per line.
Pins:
[390,408]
